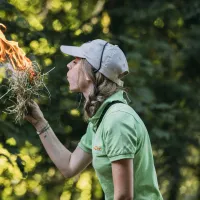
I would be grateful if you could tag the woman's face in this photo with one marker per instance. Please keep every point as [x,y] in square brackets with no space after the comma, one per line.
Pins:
[76,77]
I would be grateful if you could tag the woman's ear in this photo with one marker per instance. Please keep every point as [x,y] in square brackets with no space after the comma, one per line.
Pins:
[86,76]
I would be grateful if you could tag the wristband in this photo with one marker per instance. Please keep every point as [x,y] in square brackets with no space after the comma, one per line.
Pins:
[43,130]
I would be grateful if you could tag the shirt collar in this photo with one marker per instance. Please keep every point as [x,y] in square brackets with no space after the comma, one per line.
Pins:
[119,95]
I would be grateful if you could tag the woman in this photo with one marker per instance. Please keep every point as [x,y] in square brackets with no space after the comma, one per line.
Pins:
[116,140]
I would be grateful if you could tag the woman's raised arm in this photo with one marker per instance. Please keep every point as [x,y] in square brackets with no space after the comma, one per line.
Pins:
[68,163]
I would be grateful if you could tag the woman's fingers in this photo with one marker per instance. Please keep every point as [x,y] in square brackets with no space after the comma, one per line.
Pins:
[34,114]
[32,106]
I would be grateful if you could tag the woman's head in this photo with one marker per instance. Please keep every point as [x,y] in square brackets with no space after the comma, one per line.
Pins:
[106,58]
[96,72]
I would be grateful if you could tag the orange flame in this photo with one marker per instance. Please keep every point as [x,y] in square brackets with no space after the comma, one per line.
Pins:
[10,51]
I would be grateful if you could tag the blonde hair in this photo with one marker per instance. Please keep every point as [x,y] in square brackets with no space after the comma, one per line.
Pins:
[102,89]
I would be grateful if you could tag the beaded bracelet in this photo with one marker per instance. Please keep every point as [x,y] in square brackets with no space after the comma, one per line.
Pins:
[43,130]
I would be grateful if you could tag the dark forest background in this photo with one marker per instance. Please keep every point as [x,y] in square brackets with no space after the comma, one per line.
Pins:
[161,40]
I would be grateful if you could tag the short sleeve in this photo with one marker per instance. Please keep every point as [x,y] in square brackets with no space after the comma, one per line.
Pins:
[86,141]
[120,136]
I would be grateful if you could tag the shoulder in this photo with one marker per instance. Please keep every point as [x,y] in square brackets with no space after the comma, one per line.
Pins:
[122,117]
[118,115]
[121,111]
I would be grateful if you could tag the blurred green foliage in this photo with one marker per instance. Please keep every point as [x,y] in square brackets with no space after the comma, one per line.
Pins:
[161,42]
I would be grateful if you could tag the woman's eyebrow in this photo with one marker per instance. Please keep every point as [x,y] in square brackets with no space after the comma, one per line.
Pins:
[77,58]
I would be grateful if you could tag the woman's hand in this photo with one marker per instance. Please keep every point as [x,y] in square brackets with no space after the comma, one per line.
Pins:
[35,116]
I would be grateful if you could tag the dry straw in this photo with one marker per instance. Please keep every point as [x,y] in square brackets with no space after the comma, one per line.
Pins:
[21,90]
[25,80]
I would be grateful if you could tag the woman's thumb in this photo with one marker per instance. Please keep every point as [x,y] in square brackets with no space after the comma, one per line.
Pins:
[30,119]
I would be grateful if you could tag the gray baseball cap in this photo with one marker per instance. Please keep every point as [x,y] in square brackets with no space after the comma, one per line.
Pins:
[106,58]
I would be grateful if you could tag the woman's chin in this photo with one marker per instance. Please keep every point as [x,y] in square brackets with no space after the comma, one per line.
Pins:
[74,89]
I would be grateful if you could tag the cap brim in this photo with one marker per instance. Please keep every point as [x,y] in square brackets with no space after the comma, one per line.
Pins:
[72,51]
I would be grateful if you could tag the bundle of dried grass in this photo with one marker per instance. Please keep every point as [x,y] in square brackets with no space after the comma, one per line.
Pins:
[25,80]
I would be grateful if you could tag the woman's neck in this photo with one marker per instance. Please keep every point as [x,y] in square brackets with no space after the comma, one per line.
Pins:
[87,91]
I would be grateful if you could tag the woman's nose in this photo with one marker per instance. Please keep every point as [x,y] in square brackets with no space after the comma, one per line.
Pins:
[68,65]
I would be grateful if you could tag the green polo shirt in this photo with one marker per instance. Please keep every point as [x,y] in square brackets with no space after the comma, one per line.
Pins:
[121,135]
